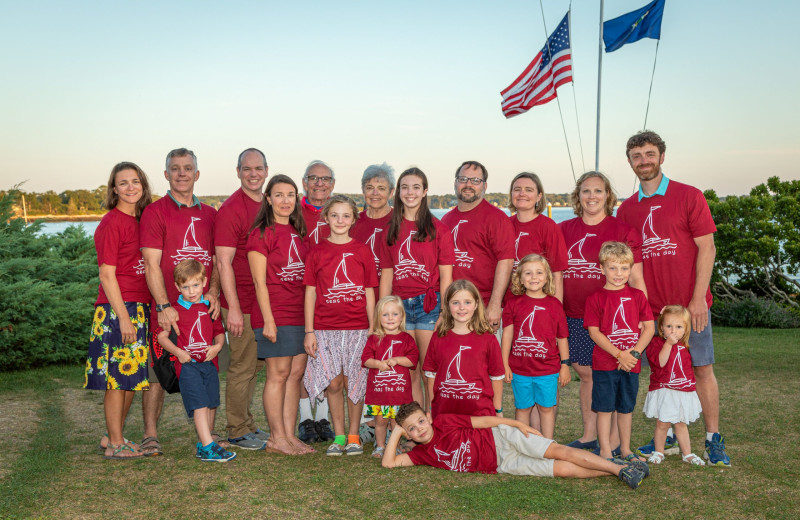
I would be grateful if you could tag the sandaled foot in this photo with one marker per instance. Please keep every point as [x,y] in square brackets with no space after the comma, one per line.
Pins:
[104,443]
[223,443]
[281,446]
[693,459]
[121,451]
[656,458]
[301,447]
[377,452]
[151,447]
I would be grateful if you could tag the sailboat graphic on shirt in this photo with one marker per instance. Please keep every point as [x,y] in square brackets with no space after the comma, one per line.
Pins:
[197,342]
[622,335]
[516,249]
[677,376]
[577,262]
[191,248]
[391,376]
[526,340]
[314,235]
[461,256]
[407,265]
[651,242]
[343,286]
[453,460]
[295,267]
[371,243]
[454,382]
[139,267]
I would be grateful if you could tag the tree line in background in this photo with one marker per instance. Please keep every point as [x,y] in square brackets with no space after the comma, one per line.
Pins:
[48,283]
[90,202]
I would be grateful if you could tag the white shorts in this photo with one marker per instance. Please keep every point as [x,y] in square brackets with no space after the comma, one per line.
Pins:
[521,455]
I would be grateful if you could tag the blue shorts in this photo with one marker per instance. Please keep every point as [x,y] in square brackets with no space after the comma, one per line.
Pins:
[581,345]
[416,317]
[614,391]
[199,384]
[531,390]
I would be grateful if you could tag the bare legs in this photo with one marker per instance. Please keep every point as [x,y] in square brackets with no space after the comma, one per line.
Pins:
[116,404]
[336,400]
[423,339]
[281,397]
[585,395]
[152,404]
[203,423]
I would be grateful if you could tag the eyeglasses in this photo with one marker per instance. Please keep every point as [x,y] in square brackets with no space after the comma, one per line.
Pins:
[475,181]
[321,180]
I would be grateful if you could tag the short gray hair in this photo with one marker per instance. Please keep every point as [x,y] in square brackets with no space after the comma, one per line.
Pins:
[378,171]
[313,164]
[181,152]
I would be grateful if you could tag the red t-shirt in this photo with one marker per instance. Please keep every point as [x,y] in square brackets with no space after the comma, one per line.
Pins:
[390,387]
[541,236]
[482,237]
[340,273]
[457,446]
[231,229]
[537,324]
[617,314]
[197,333]
[180,232]
[416,264]
[316,228]
[286,253]
[117,243]
[668,225]
[677,374]
[582,276]
[372,232]
[464,366]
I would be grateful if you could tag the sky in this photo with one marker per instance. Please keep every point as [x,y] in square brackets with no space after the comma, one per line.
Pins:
[416,83]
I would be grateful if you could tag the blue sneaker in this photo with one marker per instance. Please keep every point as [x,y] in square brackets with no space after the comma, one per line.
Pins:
[214,453]
[715,452]
[591,445]
[670,447]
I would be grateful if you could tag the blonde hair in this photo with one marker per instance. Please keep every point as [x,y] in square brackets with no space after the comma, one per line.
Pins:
[478,323]
[575,196]
[517,286]
[618,251]
[683,313]
[379,330]
[187,270]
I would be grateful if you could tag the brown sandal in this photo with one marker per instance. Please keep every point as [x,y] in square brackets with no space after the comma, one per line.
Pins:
[151,447]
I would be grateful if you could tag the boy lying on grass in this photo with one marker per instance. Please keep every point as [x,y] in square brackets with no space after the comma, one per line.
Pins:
[496,445]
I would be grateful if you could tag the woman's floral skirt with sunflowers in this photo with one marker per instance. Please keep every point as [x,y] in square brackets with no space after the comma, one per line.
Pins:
[110,364]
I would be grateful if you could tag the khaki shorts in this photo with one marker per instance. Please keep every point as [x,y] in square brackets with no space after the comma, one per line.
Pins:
[521,455]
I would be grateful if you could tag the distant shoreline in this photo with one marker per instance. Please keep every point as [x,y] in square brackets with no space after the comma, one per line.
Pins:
[65,218]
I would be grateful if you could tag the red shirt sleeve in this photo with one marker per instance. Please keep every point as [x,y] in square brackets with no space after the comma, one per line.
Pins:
[494,357]
[591,314]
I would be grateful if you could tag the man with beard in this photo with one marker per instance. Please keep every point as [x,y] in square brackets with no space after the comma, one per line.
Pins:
[484,239]
[678,256]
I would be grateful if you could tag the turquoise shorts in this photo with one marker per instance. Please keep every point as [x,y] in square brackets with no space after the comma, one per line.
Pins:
[531,390]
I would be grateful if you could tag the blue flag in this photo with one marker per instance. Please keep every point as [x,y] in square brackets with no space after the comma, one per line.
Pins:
[632,27]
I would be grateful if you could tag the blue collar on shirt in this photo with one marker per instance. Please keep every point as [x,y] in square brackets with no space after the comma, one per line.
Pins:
[661,190]
[195,201]
[188,305]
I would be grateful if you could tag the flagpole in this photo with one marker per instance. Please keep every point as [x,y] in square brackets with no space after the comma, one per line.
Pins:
[599,77]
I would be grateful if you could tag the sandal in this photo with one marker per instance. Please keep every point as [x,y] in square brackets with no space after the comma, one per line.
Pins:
[693,459]
[223,443]
[378,452]
[118,450]
[151,447]
[107,439]
[656,458]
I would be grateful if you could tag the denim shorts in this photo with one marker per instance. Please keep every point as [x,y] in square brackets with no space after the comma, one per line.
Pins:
[531,390]
[416,317]
[614,391]
[199,384]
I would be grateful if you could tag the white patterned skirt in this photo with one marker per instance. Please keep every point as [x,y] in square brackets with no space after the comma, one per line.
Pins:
[672,406]
[338,352]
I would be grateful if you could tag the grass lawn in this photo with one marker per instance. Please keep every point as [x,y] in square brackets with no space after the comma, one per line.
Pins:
[50,466]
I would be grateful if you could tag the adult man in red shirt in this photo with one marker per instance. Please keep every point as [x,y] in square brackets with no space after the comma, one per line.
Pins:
[678,257]
[318,183]
[234,220]
[483,237]
[176,227]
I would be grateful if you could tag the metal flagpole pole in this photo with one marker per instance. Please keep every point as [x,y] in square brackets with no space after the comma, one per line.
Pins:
[599,76]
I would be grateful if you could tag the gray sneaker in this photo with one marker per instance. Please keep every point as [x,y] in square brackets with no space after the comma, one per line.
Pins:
[248,442]
[354,448]
[261,434]
[335,450]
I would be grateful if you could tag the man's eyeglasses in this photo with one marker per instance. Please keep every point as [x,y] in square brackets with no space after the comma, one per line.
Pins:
[314,179]
[475,181]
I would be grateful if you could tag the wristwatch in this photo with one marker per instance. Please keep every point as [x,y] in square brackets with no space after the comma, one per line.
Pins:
[161,306]
[567,362]
[636,354]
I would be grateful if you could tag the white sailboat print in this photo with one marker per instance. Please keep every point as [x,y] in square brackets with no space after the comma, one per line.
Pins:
[294,266]
[407,264]
[526,340]
[371,243]
[191,248]
[577,262]
[455,460]
[197,342]
[622,335]
[454,382]
[650,239]
[391,376]
[342,285]
[314,235]
[516,249]
[677,375]
[461,256]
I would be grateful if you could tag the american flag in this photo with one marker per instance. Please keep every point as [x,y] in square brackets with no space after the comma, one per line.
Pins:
[550,69]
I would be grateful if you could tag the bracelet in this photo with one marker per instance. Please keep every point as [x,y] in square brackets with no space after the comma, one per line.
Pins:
[619,354]
[498,411]
[312,332]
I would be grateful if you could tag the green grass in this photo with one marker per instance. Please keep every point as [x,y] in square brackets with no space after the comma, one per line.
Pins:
[57,472]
